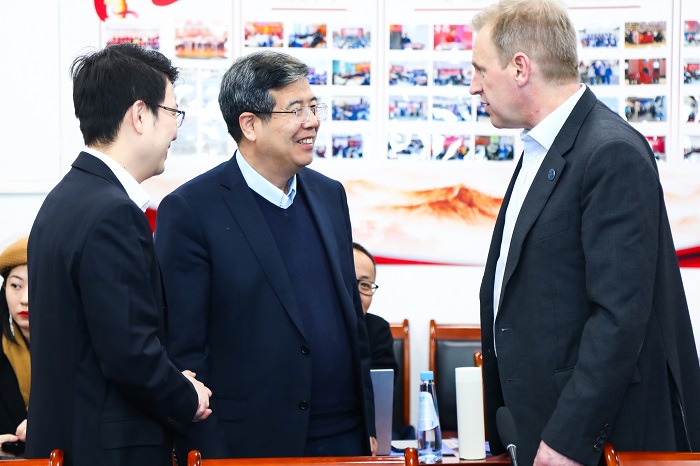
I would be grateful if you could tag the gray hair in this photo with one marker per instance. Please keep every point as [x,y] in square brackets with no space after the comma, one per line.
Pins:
[541,29]
[245,86]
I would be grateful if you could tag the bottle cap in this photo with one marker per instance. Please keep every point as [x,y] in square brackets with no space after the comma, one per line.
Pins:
[426,375]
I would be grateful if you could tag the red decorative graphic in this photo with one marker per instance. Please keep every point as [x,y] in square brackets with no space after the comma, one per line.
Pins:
[119,9]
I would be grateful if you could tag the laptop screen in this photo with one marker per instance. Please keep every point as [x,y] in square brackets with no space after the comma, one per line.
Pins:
[383,383]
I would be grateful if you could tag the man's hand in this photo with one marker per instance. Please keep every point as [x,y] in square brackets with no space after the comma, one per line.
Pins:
[203,394]
[21,432]
[546,456]
[373,445]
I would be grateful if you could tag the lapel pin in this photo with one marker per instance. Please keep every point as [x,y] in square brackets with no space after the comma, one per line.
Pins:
[551,174]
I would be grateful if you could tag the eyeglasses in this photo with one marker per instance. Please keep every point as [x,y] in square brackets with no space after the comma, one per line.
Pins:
[302,114]
[367,287]
[179,114]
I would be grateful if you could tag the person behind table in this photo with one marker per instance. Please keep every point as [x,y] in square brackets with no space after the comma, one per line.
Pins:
[104,389]
[586,333]
[15,364]
[259,276]
[381,342]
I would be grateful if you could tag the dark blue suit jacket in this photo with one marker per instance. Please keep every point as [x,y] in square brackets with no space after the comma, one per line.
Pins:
[103,389]
[593,334]
[234,318]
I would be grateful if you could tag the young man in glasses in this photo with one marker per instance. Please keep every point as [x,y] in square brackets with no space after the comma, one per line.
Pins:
[258,271]
[103,388]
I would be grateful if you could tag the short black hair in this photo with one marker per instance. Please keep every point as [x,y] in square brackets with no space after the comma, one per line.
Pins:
[107,82]
[362,249]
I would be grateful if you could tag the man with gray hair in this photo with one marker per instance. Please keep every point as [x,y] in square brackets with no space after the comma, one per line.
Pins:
[585,327]
[259,275]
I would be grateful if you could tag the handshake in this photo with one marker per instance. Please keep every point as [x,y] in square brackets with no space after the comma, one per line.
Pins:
[203,395]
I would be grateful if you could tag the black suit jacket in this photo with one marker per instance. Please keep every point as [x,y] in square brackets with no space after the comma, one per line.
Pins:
[234,318]
[381,343]
[103,389]
[12,411]
[593,333]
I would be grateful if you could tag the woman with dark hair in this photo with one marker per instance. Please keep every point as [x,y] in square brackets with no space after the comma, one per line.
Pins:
[15,366]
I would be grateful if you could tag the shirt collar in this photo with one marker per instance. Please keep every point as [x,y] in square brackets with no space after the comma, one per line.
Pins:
[546,130]
[133,189]
[264,188]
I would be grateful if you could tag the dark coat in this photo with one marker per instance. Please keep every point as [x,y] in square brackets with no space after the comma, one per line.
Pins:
[103,389]
[234,316]
[593,332]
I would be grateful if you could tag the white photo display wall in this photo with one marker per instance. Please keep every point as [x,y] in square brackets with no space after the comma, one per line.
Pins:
[396,73]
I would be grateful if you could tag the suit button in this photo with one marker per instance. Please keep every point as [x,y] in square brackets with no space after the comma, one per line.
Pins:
[305,349]
[303,405]
[596,447]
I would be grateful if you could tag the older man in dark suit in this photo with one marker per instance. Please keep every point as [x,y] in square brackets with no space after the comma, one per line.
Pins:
[259,274]
[103,389]
[585,327]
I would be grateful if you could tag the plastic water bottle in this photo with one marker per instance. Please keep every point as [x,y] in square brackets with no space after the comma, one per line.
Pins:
[428,432]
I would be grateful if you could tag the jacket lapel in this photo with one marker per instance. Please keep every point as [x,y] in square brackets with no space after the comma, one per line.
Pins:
[245,210]
[542,187]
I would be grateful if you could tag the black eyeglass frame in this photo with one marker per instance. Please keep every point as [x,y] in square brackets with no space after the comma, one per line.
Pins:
[179,114]
[311,109]
[373,287]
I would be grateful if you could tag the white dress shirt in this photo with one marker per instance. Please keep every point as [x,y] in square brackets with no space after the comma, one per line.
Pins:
[133,189]
[537,142]
[264,188]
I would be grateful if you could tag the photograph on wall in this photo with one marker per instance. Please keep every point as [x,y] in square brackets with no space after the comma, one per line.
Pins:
[318,72]
[493,148]
[691,71]
[451,73]
[689,109]
[408,146]
[645,71]
[351,73]
[347,146]
[406,73]
[352,37]
[481,114]
[691,34]
[452,108]
[452,37]
[645,34]
[322,146]
[201,39]
[308,36]
[450,147]
[599,35]
[408,107]
[599,72]
[612,103]
[691,148]
[645,108]
[352,108]
[263,34]
[144,36]
[203,132]
[408,36]
[658,146]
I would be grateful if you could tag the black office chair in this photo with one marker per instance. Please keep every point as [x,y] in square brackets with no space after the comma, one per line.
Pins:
[451,346]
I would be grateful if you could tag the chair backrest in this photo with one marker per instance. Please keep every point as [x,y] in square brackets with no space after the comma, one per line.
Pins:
[402,390]
[410,458]
[451,346]
[54,459]
[639,458]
